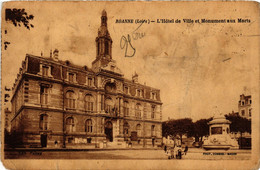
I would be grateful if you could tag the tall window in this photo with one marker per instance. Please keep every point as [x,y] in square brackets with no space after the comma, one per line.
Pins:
[70,124]
[43,122]
[138,110]
[153,112]
[243,112]
[89,103]
[250,112]
[88,126]
[70,98]
[102,125]
[108,105]
[138,129]
[98,48]
[43,95]
[106,48]
[45,70]
[153,130]
[126,108]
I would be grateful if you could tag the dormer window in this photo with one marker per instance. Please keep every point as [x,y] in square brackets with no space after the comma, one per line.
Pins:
[71,77]
[90,80]
[125,89]
[153,96]
[142,93]
[112,68]
[138,93]
[45,70]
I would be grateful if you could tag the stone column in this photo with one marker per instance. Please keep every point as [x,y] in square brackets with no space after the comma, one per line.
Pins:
[99,97]
[120,127]
[117,127]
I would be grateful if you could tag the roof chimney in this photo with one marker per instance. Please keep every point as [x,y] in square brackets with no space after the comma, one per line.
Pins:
[135,78]
[56,54]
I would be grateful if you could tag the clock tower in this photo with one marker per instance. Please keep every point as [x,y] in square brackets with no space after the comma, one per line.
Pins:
[103,44]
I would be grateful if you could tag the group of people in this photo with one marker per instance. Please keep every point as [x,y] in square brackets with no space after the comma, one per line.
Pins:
[176,151]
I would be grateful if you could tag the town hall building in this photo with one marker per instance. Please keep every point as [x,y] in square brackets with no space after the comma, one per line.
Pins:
[58,104]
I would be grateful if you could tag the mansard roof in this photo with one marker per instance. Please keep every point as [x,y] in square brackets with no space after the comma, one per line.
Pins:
[79,68]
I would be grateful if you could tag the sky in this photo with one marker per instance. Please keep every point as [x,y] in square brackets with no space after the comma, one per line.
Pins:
[197,67]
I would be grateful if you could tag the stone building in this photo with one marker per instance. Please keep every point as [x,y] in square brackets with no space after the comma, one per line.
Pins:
[244,106]
[58,104]
[7,114]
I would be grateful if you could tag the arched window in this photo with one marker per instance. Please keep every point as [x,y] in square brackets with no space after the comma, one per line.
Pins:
[109,105]
[153,130]
[70,124]
[43,122]
[126,128]
[70,99]
[126,108]
[88,126]
[106,48]
[98,48]
[138,129]
[89,103]
[138,110]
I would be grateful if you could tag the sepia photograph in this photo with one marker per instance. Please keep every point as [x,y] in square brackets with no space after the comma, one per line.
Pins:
[130,85]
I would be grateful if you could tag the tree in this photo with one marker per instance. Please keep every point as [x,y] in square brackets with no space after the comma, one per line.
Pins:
[201,128]
[239,124]
[18,17]
[178,127]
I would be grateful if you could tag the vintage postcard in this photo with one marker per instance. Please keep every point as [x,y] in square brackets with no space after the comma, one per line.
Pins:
[130,85]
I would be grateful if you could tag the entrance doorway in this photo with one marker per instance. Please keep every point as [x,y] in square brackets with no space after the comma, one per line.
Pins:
[44,140]
[109,131]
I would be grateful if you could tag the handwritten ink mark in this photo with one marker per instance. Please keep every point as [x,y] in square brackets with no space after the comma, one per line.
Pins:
[138,27]
[126,42]
[138,35]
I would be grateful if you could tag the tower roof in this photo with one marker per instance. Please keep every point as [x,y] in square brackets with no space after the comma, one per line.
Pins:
[104,13]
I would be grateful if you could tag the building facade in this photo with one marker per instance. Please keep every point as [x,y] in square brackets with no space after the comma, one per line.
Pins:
[7,119]
[244,106]
[58,104]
